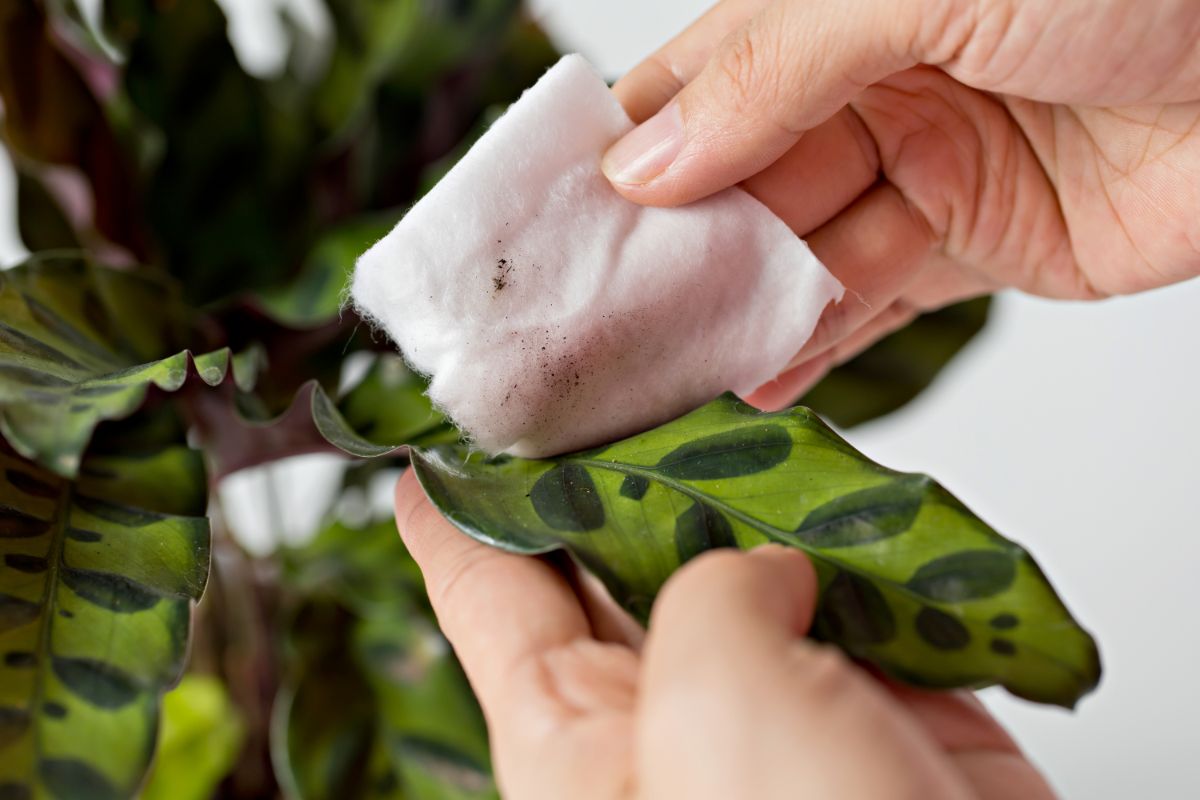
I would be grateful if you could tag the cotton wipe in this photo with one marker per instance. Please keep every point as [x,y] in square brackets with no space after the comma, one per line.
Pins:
[551,314]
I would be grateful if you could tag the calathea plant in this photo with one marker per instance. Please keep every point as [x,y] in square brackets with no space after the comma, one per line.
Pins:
[191,227]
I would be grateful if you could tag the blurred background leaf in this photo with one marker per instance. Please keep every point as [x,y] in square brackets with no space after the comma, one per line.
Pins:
[375,704]
[198,741]
[897,368]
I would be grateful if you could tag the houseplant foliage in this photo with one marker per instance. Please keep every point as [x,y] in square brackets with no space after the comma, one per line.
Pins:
[191,227]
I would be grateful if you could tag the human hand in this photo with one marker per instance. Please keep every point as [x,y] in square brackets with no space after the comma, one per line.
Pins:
[724,698]
[934,150]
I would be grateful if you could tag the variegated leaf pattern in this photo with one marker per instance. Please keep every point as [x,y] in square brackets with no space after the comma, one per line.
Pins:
[911,580]
[80,344]
[97,580]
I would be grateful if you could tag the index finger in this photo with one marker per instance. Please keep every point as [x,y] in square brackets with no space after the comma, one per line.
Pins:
[647,87]
[497,609]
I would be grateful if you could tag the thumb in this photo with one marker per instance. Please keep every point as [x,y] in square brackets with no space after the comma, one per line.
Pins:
[785,71]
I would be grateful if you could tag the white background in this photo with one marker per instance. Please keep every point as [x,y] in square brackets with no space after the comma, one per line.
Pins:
[1070,427]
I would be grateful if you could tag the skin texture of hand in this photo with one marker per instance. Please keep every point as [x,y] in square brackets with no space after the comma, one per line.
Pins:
[933,150]
[721,698]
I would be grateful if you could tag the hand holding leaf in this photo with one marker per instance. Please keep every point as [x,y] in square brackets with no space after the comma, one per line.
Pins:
[574,713]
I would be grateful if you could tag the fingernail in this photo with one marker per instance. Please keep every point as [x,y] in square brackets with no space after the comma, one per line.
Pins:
[646,151]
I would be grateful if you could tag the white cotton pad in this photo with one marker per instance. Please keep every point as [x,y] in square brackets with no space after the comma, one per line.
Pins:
[551,314]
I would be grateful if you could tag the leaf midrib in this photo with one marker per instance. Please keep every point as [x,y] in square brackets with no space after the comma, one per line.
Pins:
[775,535]
[53,562]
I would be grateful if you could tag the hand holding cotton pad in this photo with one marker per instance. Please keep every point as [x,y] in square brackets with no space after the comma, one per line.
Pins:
[551,314]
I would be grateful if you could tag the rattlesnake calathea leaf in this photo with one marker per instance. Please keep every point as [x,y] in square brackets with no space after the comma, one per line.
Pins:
[80,344]
[383,412]
[374,704]
[97,580]
[911,580]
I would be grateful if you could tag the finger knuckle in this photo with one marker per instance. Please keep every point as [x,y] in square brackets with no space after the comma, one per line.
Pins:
[753,68]
[451,592]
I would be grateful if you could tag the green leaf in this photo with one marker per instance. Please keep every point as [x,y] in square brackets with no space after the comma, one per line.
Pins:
[385,411]
[316,295]
[897,368]
[369,39]
[80,344]
[911,580]
[365,569]
[375,704]
[324,741]
[198,743]
[227,184]
[97,581]
[42,223]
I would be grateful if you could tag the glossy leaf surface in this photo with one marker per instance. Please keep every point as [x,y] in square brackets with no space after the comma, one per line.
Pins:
[80,344]
[911,580]
[97,580]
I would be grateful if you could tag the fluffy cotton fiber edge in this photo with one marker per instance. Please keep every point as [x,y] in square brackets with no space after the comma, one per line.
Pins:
[551,314]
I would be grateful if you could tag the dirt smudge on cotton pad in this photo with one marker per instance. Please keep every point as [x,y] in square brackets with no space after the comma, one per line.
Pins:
[500,279]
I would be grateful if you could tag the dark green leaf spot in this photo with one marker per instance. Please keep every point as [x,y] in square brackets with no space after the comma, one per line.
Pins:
[13,723]
[16,524]
[19,659]
[109,590]
[566,499]
[101,684]
[867,515]
[941,630]
[26,376]
[967,575]
[100,389]
[634,487]
[28,564]
[1004,622]
[15,341]
[85,536]
[701,528]
[65,330]
[15,612]
[1003,647]
[112,512]
[28,484]
[53,709]
[742,451]
[853,612]
[69,777]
